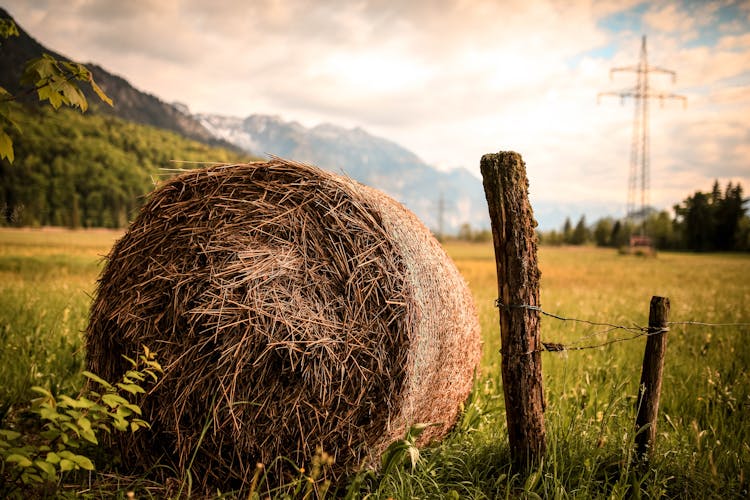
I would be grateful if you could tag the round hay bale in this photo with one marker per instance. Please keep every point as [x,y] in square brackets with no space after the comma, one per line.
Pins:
[291,308]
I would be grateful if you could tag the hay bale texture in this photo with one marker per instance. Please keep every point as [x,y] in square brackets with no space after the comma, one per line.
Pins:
[290,308]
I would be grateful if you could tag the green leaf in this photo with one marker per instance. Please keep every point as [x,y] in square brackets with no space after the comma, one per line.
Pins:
[531,482]
[66,465]
[155,366]
[53,81]
[42,391]
[90,436]
[9,435]
[19,459]
[46,467]
[417,429]
[73,95]
[123,412]
[137,423]
[76,70]
[49,91]
[53,458]
[134,408]
[104,97]
[31,478]
[119,423]
[6,147]
[83,462]
[393,456]
[50,434]
[71,427]
[39,70]
[49,413]
[135,374]
[81,402]
[84,423]
[131,388]
[104,427]
[97,379]
[113,400]
[72,413]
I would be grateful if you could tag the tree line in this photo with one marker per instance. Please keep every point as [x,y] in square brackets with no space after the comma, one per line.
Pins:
[703,222]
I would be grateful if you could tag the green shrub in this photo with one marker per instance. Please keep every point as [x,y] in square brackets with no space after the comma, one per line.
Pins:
[58,435]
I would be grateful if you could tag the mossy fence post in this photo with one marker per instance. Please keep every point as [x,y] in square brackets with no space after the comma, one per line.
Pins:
[514,238]
[649,390]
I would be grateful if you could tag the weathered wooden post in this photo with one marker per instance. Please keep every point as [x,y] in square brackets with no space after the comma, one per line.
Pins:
[506,189]
[649,391]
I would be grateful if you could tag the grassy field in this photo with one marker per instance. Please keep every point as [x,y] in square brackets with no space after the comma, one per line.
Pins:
[703,442]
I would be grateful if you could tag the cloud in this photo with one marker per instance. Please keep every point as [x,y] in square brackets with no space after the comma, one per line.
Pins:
[450,79]
[670,18]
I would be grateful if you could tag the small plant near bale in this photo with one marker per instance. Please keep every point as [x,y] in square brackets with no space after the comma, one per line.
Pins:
[313,483]
[57,435]
[316,482]
[403,451]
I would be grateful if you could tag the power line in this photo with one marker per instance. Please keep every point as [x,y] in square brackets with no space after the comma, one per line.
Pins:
[637,331]
[639,171]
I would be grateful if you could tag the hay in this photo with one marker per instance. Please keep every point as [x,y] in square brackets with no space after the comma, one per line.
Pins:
[291,308]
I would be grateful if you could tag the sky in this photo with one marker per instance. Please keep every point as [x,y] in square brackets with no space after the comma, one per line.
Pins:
[450,80]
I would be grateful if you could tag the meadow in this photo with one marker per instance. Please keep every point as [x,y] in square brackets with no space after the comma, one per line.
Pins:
[703,441]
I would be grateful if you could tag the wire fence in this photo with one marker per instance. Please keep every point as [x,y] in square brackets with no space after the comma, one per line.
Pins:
[636,331]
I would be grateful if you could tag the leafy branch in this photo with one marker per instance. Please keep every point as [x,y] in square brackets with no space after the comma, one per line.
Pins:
[52,79]
[69,428]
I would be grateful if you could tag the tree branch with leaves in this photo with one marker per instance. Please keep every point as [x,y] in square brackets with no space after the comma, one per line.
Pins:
[53,80]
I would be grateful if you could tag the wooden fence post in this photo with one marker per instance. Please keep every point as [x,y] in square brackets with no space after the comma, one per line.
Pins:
[649,390]
[506,189]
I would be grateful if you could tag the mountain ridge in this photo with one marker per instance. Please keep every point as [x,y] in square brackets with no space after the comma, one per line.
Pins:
[369,159]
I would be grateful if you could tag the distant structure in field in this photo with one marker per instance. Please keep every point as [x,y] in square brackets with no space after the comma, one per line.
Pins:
[638,178]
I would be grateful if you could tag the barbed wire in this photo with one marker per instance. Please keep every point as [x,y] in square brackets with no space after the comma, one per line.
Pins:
[639,331]
[700,323]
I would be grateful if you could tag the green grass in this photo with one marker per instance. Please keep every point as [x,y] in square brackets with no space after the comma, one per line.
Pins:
[46,280]
[703,442]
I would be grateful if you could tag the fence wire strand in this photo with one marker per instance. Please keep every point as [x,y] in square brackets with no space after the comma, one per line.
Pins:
[700,323]
[639,331]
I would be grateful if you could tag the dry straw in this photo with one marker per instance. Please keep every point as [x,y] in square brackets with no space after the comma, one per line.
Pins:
[291,308]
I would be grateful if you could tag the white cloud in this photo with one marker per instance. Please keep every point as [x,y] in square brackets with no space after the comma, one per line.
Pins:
[451,79]
[671,18]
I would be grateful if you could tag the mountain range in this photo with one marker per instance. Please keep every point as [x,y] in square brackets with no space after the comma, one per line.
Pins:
[429,192]
[374,161]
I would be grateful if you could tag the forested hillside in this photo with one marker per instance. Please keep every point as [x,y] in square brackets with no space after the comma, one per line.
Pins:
[88,170]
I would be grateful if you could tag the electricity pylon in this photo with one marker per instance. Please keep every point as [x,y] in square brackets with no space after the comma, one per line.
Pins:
[640,145]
